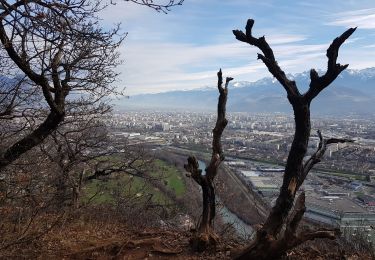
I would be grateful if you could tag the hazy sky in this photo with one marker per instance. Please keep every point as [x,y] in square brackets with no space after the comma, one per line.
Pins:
[184,48]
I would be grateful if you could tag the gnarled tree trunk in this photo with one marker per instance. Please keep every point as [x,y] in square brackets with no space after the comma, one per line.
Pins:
[272,240]
[205,235]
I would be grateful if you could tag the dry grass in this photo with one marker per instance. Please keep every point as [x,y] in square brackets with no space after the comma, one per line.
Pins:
[100,233]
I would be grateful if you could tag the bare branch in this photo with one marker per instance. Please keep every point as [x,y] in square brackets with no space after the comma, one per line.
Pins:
[36,137]
[318,155]
[221,122]
[307,236]
[97,174]
[193,168]
[268,58]
[165,8]
[10,98]
[61,49]
[318,83]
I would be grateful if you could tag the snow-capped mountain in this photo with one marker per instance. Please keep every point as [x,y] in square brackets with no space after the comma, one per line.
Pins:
[352,92]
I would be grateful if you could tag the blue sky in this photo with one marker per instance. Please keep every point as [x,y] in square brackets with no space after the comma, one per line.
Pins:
[184,48]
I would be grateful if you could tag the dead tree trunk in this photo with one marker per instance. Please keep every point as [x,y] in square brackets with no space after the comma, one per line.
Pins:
[272,241]
[205,235]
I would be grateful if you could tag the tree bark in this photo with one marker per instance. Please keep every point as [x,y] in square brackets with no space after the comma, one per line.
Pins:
[205,235]
[293,169]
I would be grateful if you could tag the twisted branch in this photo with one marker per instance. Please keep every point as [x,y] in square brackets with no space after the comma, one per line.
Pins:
[291,239]
[165,8]
[268,58]
[217,151]
[192,167]
[319,153]
[318,83]
[221,122]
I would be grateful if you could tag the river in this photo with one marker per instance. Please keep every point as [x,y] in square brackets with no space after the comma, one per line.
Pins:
[243,230]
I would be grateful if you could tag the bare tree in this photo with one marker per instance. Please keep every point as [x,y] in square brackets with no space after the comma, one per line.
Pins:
[26,189]
[272,240]
[61,54]
[160,6]
[205,235]
[57,73]
[71,150]
[81,150]
[14,94]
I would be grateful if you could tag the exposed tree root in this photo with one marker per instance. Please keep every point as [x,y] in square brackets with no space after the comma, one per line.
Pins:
[203,240]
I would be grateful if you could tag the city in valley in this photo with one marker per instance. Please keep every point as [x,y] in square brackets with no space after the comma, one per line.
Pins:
[339,190]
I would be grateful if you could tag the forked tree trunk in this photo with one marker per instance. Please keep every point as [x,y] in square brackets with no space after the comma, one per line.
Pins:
[205,235]
[273,240]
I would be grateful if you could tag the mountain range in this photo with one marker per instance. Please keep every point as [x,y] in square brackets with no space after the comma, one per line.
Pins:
[353,92]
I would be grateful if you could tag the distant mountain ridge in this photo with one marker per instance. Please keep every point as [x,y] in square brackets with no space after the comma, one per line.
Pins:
[352,92]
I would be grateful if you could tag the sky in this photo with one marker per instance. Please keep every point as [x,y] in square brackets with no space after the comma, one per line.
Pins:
[185,48]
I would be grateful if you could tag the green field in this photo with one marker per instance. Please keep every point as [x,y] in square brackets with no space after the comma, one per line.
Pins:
[106,191]
[125,186]
[171,176]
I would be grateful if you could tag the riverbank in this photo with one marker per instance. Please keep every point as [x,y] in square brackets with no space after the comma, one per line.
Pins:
[236,196]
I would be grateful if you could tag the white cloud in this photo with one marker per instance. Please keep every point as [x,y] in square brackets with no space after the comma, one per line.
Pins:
[284,38]
[123,11]
[157,67]
[363,18]
[175,52]
[164,66]
[160,67]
